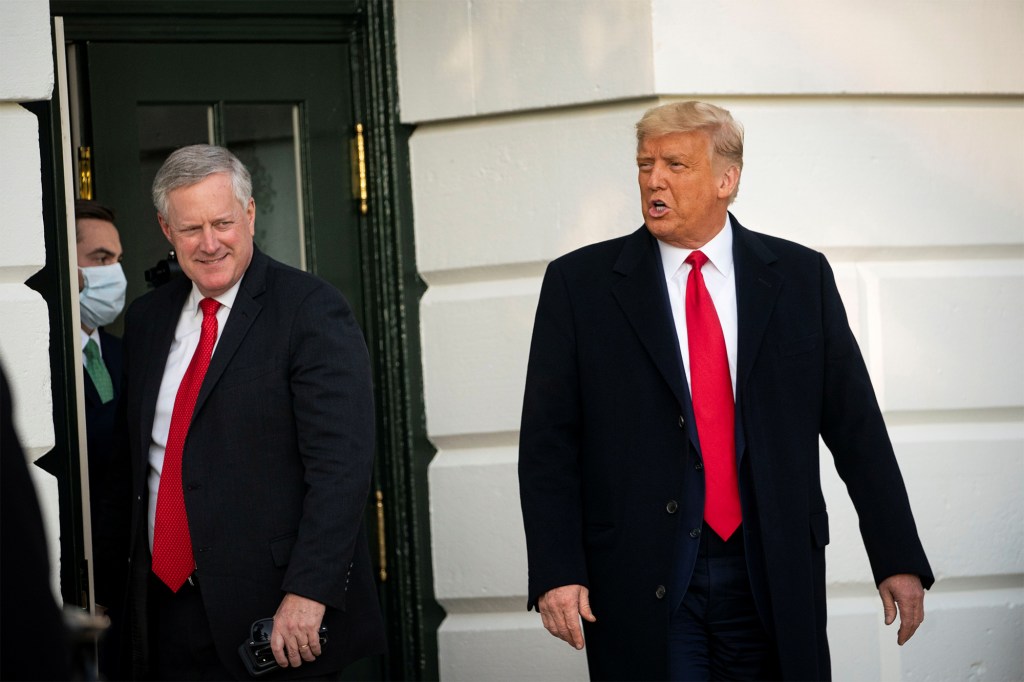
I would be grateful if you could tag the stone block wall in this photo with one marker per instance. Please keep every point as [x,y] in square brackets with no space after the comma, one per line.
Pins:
[889,135]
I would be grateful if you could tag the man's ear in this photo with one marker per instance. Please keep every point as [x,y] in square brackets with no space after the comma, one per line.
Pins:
[250,215]
[727,182]
[164,227]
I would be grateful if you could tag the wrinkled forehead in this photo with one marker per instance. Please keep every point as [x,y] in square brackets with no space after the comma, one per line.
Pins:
[689,143]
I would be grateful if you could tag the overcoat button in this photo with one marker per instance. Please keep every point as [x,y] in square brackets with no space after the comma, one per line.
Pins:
[660,592]
[695,533]
[671,507]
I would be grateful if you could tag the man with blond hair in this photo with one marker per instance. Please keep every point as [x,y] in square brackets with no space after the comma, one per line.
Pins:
[678,383]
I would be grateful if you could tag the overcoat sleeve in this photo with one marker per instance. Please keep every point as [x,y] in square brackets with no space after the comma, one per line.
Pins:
[550,446]
[854,432]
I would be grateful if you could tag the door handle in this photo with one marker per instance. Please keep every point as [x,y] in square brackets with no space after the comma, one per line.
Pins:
[382,546]
[358,153]
[85,172]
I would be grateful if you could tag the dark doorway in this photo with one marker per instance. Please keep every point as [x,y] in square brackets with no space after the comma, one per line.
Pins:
[267,103]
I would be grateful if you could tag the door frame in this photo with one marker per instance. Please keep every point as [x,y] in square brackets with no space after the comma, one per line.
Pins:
[392,287]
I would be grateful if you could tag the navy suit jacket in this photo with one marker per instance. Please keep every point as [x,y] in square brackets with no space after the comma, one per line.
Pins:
[101,441]
[611,478]
[99,416]
[276,466]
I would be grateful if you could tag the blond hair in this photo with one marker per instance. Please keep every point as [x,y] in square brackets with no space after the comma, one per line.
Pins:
[724,132]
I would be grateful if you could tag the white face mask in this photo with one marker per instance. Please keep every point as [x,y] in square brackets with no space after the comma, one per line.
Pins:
[102,298]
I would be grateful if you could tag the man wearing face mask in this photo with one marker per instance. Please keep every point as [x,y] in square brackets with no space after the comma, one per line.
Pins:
[101,290]
[101,293]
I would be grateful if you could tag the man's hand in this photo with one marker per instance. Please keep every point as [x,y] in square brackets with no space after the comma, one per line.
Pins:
[296,636]
[904,590]
[561,608]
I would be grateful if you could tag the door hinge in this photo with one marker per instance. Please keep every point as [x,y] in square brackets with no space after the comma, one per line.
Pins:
[85,172]
[358,153]
[382,546]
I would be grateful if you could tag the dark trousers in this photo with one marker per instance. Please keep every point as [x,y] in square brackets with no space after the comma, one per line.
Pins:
[716,633]
[182,643]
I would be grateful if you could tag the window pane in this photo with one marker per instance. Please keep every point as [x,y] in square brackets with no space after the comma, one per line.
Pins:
[162,129]
[264,137]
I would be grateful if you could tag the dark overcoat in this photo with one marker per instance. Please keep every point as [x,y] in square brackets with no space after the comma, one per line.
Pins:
[610,471]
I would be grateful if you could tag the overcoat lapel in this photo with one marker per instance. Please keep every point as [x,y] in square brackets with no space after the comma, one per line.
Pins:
[642,296]
[757,289]
[243,314]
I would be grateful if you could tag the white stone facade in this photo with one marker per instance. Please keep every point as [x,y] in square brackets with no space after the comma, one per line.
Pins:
[889,135]
[26,75]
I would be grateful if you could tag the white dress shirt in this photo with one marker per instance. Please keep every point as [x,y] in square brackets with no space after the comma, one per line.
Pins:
[720,279]
[186,340]
[95,336]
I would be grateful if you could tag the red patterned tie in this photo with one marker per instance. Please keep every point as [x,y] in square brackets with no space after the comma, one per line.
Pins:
[172,543]
[713,406]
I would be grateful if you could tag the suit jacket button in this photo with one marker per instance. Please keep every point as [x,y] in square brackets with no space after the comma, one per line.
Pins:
[699,465]
[695,533]
[682,422]
[660,592]
[672,506]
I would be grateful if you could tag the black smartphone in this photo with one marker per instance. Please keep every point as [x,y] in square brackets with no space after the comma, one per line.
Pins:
[256,653]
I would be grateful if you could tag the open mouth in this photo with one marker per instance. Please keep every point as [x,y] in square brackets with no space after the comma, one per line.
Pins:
[657,209]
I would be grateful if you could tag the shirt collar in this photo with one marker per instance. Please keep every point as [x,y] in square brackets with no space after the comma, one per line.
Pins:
[227,299]
[718,251]
[85,337]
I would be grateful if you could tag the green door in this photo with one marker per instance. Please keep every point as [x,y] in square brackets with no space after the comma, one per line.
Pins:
[286,110]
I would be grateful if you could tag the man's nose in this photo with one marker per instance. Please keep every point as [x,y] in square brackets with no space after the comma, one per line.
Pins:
[210,243]
[656,178]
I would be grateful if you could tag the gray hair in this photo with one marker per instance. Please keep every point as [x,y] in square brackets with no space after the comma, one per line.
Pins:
[725,132]
[195,163]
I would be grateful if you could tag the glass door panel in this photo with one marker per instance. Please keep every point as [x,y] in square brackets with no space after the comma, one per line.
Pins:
[266,139]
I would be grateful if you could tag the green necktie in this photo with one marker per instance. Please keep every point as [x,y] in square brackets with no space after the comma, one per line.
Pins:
[98,372]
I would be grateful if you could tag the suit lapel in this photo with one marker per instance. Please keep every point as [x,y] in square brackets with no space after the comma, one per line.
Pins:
[112,358]
[243,314]
[642,296]
[757,288]
[92,396]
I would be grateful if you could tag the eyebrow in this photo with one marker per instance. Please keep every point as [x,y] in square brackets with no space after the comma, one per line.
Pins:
[101,251]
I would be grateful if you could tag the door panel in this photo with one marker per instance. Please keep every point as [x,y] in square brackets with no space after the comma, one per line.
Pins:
[284,109]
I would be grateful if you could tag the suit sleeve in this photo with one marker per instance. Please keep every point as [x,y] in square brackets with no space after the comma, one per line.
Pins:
[332,400]
[550,447]
[855,433]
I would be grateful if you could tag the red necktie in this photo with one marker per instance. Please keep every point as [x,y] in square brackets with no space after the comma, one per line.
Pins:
[713,406]
[172,543]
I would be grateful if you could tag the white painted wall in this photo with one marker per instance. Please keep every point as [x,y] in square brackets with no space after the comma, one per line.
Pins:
[26,74]
[890,135]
